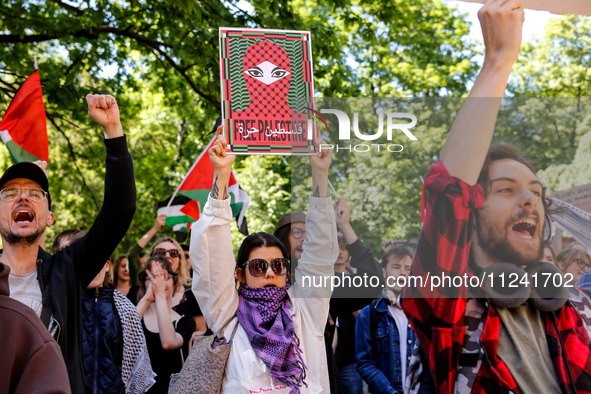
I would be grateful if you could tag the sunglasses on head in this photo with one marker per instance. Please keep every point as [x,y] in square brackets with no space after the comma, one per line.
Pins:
[162,252]
[297,232]
[258,267]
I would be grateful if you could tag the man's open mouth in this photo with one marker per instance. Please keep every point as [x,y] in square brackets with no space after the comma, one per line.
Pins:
[299,249]
[270,286]
[525,228]
[23,215]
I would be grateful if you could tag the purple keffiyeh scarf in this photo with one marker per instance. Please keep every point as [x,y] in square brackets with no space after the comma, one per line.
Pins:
[263,313]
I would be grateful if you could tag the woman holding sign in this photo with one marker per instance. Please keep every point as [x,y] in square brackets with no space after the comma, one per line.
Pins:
[278,345]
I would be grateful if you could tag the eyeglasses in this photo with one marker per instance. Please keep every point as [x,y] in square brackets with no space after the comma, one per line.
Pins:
[160,252]
[297,232]
[582,265]
[13,193]
[258,267]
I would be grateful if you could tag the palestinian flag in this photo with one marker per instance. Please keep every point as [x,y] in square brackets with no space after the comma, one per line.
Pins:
[23,127]
[182,210]
[197,185]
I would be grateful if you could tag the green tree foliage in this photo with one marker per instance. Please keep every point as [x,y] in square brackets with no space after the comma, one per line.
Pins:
[554,72]
[160,59]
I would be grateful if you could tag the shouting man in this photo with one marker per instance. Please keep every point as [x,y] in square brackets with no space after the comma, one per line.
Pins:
[52,285]
[486,216]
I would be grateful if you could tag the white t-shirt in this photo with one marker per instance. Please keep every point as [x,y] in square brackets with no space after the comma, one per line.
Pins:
[402,325]
[25,288]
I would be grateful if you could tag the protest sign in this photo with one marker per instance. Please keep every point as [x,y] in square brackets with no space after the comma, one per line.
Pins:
[579,196]
[267,91]
[579,7]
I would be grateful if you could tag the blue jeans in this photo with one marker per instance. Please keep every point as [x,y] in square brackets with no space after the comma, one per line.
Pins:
[350,379]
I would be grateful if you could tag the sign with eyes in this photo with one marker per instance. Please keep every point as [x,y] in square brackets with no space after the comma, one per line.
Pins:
[267,91]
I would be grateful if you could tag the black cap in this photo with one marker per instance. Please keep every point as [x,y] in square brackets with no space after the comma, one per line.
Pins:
[30,171]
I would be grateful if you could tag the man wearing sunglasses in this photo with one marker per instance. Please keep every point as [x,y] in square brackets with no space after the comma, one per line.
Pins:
[52,285]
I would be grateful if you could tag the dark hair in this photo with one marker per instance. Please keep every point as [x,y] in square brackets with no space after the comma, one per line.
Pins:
[254,241]
[115,268]
[282,234]
[72,235]
[396,253]
[509,151]
[142,275]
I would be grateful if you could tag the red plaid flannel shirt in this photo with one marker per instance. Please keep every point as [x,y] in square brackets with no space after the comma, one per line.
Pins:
[440,322]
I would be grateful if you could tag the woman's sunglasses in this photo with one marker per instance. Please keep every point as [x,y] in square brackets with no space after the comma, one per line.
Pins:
[258,267]
[162,252]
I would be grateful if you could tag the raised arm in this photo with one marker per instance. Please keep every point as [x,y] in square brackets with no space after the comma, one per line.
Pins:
[90,252]
[169,338]
[465,149]
[211,251]
[133,256]
[320,249]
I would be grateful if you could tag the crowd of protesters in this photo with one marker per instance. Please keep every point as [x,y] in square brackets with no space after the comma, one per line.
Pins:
[77,320]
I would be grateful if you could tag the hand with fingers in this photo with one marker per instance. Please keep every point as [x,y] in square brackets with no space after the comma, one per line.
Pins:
[501,22]
[149,296]
[160,222]
[321,161]
[104,110]
[222,164]
[320,164]
[343,211]
[158,278]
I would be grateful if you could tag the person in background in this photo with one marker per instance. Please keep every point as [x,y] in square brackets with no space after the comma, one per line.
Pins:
[549,255]
[355,260]
[183,301]
[187,259]
[291,231]
[65,238]
[167,333]
[115,357]
[384,338]
[31,360]
[121,278]
[574,262]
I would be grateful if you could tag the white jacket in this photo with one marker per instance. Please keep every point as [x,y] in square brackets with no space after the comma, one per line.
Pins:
[214,287]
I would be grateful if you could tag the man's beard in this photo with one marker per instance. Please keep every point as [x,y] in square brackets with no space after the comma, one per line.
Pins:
[12,239]
[495,242]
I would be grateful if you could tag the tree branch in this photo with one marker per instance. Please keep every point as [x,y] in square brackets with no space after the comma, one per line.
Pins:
[180,70]
[92,34]
[69,7]
[95,32]
[73,156]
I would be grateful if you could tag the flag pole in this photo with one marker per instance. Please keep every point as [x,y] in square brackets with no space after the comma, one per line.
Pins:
[183,181]
[35,59]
